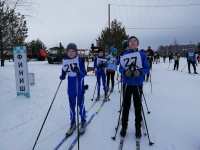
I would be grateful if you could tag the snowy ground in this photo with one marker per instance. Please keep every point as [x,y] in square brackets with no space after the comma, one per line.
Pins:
[174,122]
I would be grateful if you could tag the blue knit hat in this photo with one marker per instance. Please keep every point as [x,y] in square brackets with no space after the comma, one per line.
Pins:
[72,46]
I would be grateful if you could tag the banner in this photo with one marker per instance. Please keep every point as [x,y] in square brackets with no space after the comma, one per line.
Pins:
[21,71]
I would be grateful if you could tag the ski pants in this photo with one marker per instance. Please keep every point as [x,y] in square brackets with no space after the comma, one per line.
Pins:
[193,64]
[136,92]
[110,76]
[176,64]
[101,76]
[76,95]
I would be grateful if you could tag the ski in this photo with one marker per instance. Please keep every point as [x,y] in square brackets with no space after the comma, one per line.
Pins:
[137,144]
[87,123]
[61,142]
[121,144]
[64,139]
[76,138]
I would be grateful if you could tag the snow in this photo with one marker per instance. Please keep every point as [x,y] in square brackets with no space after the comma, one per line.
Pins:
[173,123]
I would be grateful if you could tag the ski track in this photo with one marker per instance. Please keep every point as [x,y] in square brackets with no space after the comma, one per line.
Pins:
[173,122]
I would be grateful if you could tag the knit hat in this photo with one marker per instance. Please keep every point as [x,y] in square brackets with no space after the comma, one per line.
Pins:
[133,37]
[72,46]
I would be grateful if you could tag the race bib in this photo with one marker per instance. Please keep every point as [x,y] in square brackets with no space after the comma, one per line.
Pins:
[100,61]
[131,59]
[191,54]
[111,60]
[69,65]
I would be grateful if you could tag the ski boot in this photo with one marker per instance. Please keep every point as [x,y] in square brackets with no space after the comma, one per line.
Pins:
[71,130]
[82,128]
[112,89]
[106,98]
[98,97]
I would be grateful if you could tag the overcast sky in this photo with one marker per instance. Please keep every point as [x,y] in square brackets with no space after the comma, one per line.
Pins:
[81,21]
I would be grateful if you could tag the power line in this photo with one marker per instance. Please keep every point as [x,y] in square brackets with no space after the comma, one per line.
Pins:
[158,6]
[161,28]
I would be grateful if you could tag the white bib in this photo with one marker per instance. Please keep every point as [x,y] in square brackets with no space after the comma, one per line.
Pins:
[69,65]
[191,54]
[131,58]
[100,60]
[111,60]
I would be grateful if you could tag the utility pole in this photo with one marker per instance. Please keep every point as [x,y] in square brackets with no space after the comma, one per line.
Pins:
[109,27]
[109,16]
[1,48]
[1,38]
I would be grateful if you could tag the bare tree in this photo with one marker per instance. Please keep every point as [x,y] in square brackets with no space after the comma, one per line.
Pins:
[13,26]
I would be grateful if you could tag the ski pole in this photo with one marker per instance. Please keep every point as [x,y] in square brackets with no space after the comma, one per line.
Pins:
[77,112]
[46,116]
[145,122]
[94,92]
[169,65]
[151,84]
[118,82]
[118,122]
[145,102]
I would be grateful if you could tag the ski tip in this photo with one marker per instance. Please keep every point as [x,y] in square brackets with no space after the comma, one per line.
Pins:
[113,138]
[151,143]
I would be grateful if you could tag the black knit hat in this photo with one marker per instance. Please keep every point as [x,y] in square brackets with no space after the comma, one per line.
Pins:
[72,46]
[133,37]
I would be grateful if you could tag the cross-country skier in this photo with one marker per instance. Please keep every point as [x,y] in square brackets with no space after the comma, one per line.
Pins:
[150,55]
[170,57]
[164,57]
[133,67]
[111,68]
[100,64]
[74,67]
[176,61]
[191,60]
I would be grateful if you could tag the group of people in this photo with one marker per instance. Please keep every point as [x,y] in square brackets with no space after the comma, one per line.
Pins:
[192,59]
[133,66]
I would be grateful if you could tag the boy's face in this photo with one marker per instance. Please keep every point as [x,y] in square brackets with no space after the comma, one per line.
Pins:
[133,43]
[71,53]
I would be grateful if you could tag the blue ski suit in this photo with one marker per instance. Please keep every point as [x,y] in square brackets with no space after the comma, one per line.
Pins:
[75,85]
[100,66]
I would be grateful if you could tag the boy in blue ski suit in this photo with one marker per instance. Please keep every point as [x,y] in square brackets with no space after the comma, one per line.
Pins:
[133,67]
[100,72]
[74,67]
[191,59]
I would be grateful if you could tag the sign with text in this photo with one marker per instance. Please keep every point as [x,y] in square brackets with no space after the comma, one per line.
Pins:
[21,71]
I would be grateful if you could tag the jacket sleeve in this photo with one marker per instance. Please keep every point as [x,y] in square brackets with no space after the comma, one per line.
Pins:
[145,64]
[82,67]
[95,63]
[121,68]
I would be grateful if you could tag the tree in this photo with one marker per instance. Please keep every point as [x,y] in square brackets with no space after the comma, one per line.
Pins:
[34,47]
[198,46]
[113,37]
[13,27]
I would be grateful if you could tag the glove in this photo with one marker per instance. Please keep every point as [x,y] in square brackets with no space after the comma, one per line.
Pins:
[130,73]
[136,73]
[63,75]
